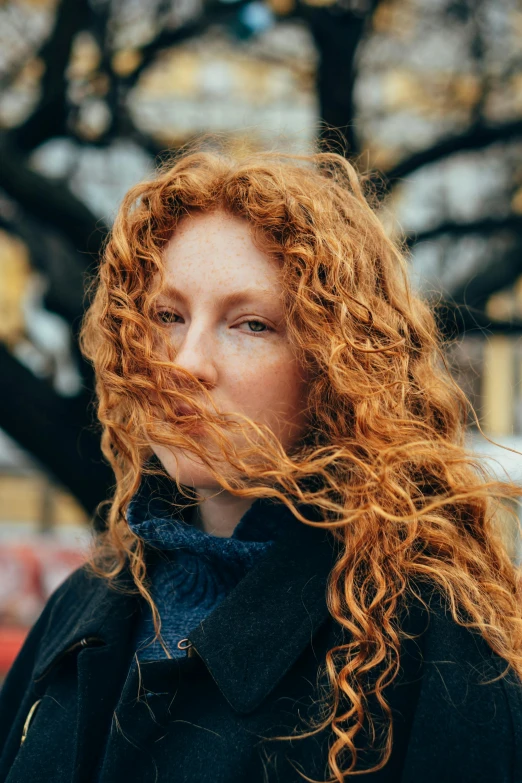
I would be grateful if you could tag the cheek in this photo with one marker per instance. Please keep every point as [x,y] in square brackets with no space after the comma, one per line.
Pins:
[271,391]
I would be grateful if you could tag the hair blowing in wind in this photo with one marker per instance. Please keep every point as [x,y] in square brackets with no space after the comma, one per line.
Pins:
[383,460]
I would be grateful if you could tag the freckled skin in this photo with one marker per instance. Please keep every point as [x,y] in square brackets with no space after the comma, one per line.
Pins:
[247,368]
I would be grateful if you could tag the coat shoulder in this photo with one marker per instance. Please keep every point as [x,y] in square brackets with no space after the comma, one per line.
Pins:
[468,711]
[67,601]
[71,592]
[18,688]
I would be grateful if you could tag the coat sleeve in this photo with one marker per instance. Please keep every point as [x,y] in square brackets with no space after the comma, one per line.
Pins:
[17,693]
[466,727]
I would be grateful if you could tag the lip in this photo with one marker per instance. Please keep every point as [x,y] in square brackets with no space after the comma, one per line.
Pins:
[195,425]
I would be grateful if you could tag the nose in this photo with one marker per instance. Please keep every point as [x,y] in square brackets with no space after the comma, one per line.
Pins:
[196,353]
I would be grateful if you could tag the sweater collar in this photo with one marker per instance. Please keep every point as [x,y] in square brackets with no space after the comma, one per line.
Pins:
[153,517]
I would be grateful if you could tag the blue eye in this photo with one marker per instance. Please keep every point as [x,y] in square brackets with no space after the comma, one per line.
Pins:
[259,323]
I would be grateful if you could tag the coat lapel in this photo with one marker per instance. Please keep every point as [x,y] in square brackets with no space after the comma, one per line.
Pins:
[255,635]
[100,680]
[101,674]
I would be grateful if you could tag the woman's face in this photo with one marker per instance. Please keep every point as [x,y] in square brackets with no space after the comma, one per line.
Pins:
[225,319]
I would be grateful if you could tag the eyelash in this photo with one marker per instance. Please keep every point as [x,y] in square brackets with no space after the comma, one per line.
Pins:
[267,328]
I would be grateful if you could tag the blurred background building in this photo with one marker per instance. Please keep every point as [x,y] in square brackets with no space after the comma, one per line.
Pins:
[426,93]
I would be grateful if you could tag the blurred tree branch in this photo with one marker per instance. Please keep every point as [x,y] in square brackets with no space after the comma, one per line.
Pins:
[477,137]
[214,12]
[500,274]
[455,318]
[76,460]
[49,200]
[50,253]
[483,226]
[337,34]
[49,117]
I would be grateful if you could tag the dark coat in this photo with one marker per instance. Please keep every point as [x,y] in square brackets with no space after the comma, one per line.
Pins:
[251,675]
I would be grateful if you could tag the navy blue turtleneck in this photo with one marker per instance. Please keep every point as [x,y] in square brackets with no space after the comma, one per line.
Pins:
[192,571]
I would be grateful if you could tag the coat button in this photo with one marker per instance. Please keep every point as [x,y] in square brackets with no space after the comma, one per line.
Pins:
[28,720]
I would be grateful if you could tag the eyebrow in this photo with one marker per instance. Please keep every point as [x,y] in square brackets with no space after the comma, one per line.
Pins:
[231,299]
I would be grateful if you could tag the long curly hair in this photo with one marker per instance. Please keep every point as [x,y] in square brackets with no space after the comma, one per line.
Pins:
[384,459]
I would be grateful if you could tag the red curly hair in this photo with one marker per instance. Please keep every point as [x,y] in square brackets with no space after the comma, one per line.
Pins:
[384,459]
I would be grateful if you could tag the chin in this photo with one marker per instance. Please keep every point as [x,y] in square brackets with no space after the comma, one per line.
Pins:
[186,468]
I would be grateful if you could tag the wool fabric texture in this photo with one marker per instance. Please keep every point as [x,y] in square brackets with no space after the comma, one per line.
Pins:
[192,571]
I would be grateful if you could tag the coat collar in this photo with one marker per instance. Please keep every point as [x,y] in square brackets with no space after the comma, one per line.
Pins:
[259,630]
[248,642]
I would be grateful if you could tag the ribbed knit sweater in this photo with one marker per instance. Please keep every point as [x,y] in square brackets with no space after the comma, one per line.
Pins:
[192,571]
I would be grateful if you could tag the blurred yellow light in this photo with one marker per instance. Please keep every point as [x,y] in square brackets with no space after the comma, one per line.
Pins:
[14,273]
[126,61]
[175,72]
[320,3]
[85,56]
[516,201]
[282,7]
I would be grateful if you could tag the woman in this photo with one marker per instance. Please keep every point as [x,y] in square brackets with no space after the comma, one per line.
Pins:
[302,576]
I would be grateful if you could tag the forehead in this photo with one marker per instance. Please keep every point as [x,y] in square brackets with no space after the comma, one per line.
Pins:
[216,250]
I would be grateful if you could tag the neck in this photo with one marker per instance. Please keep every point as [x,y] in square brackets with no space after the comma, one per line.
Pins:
[219,514]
